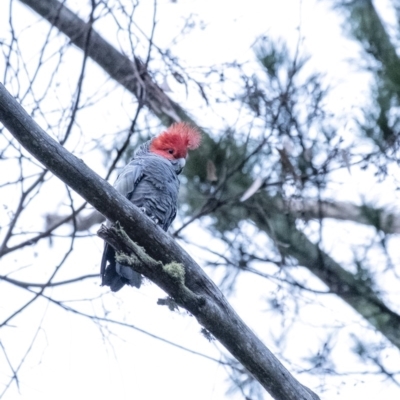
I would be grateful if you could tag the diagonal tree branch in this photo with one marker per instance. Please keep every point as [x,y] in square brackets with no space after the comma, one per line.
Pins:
[132,74]
[307,209]
[347,286]
[369,29]
[207,304]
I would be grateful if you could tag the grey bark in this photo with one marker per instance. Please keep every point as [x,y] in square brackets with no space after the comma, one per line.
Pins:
[308,209]
[204,300]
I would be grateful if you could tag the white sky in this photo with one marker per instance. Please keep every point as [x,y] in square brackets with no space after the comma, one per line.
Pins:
[70,359]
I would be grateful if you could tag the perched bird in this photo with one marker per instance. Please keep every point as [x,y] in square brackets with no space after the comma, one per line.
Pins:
[150,181]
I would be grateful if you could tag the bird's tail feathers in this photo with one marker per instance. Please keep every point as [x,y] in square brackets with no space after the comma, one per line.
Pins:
[116,275]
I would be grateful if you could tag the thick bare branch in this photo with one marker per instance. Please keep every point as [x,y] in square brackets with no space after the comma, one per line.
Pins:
[83,222]
[307,209]
[347,286]
[368,27]
[386,221]
[210,307]
[132,74]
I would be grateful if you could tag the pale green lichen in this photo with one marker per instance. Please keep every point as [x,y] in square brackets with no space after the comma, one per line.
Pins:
[129,260]
[176,271]
[140,259]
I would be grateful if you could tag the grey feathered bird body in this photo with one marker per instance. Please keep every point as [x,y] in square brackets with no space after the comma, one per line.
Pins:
[151,183]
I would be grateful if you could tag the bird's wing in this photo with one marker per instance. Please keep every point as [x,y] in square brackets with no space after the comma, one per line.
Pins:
[129,178]
[125,184]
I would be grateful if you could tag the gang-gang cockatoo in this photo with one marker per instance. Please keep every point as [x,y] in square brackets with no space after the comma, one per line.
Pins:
[150,181]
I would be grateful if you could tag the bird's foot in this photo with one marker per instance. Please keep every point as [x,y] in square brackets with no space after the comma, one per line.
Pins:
[155,220]
[152,217]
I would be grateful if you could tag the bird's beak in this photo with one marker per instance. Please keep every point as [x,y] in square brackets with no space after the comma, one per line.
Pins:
[181,162]
[178,164]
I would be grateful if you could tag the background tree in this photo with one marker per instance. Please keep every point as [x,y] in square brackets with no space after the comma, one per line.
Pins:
[269,186]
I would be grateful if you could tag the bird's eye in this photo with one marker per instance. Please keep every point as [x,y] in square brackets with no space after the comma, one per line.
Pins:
[170,151]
